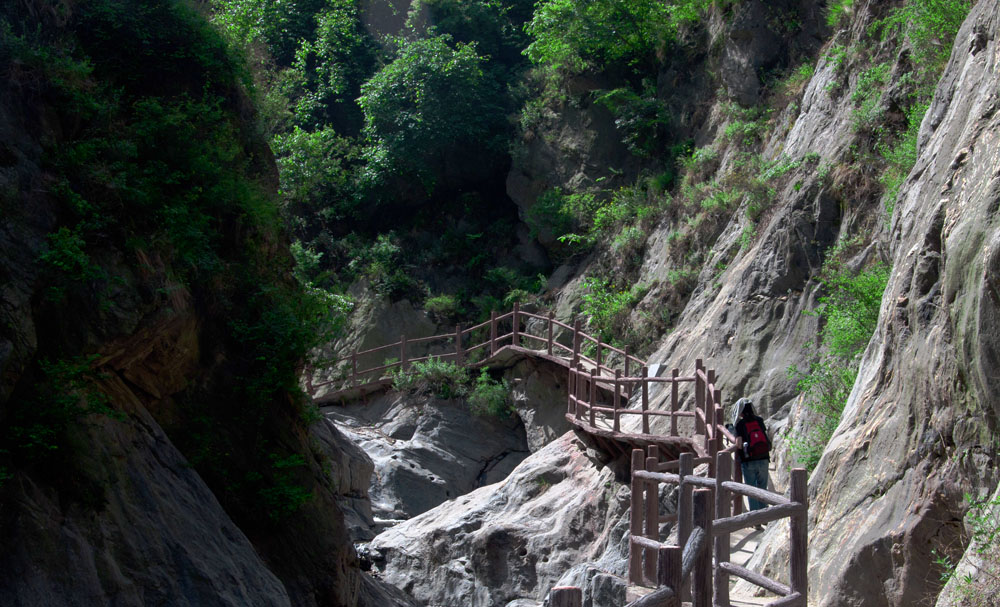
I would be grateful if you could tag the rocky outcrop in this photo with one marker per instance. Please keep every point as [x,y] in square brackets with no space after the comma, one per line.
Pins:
[133,469]
[920,426]
[425,452]
[512,540]
[150,532]
[921,423]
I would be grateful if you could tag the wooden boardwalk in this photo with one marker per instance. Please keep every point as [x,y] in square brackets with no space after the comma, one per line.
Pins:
[608,397]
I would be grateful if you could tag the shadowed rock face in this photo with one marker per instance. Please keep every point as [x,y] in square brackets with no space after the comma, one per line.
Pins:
[161,537]
[124,513]
[425,452]
[511,540]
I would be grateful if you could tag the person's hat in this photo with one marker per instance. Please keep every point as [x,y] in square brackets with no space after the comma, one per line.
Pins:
[738,409]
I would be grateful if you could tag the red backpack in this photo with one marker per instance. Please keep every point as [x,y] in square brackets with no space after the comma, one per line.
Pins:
[757,445]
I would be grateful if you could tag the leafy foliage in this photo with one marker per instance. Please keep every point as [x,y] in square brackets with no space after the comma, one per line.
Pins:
[607,308]
[160,185]
[432,103]
[570,36]
[644,119]
[838,11]
[929,27]
[317,178]
[850,314]
[490,397]
[446,380]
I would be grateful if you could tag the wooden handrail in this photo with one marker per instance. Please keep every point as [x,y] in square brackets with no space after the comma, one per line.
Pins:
[497,339]
[697,525]
[706,590]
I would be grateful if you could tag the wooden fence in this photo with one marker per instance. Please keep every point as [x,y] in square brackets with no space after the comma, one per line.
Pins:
[470,344]
[689,571]
[715,517]
[605,382]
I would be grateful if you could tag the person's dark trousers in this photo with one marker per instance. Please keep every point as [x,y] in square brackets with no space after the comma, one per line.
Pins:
[755,474]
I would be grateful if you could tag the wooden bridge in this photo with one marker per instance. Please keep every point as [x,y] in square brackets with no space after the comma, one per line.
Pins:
[601,391]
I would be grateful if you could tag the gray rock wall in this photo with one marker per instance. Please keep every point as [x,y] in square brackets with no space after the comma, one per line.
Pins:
[160,536]
[921,424]
[511,540]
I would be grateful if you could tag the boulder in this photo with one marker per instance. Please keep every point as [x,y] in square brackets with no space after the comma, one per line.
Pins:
[512,540]
[426,451]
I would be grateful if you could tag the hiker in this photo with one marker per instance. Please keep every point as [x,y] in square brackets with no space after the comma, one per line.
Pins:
[755,455]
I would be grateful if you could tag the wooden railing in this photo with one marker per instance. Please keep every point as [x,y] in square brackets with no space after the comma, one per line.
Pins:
[646,549]
[470,344]
[586,404]
[680,571]
[596,369]
[689,571]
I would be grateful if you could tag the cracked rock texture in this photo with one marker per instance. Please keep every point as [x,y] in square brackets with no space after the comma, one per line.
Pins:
[511,540]
[426,451]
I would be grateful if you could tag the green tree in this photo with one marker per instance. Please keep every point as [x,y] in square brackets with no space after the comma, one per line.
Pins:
[575,35]
[429,110]
[330,67]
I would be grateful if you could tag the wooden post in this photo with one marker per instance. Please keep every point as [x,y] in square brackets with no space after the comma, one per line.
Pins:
[645,401]
[669,567]
[701,575]
[459,354]
[625,371]
[723,472]
[675,402]
[737,478]
[570,389]
[653,451]
[616,424]
[354,367]
[709,411]
[798,562]
[581,385]
[635,520]
[652,517]
[718,421]
[493,332]
[566,596]
[593,397]
[598,355]
[685,519]
[402,352]
[576,341]
[699,398]
[516,338]
[308,373]
[548,345]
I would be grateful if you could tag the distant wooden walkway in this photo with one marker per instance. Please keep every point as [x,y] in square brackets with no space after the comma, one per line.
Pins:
[605,385]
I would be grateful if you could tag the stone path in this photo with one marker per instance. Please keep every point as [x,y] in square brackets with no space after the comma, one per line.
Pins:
[744,544]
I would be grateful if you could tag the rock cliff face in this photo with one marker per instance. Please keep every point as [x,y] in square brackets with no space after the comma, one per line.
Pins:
[118,358]
[512,540]
[139,515]
[921,425]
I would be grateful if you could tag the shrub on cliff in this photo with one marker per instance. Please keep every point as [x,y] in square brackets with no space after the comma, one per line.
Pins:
[425,112]
[849,312]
